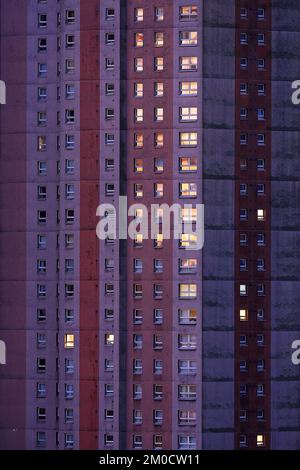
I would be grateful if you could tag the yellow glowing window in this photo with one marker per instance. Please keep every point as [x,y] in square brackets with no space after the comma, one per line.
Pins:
[260,440]
[138,165]
[138,239]
[243,315]
[158,241]
[69,341]
[109,339]
[139,39]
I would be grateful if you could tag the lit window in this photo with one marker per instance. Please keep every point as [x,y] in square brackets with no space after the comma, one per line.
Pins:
[69,341]
[188,241]
[158,89]
[188,114]
[188,190]
[138,165]
[42,143]
[138,240]
[159,14]
[158,114]
[187,316]
[158,189]
[138,90]
[243,289]
[187,164]
[138,190]
[159,64]
[243,314]
[261,215]
[188,12]
[188,38]
[109,339]
[158,165]
[139,39]
[158,39]
[158,240]
[138,140]
[188,139]
[187,291]
[158,139]
[139,14]
[188,88]
[138,114]
[189,214]
[188,63]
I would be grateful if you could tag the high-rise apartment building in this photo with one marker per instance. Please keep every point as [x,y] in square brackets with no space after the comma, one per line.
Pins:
[149,343]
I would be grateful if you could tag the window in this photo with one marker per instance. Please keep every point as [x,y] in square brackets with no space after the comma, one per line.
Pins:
[42,20]
[158,64]
[42,143]
[243,264]
[243,164]
[261,39]
[261,89]
[69,341]
[261,64]
[69,315]
[69,440]
[243,89]
[260,164]
[70,142]
[139,39]
[188,190]
[138,90]
[187,316]
[243,139]
[41,217]
[158,89]
[70,116]
[70,16]
[243,113]
[243,390]
[42,93]
[243,189]
[157,392]
[187,291]
[70,65]
[109,365]
[69,291]
[138,114]
[137,392]
[261,215]
[41,315]
[243,13]
[41,439]
[137,366]
[243,415]
[158,165]
[110,13]
[109,89]
[159,14]
[109,114]
[243,239]
[109,63]
[138,190]
[260,415]
[138,266]
[138,140]
[109,289]
[243,290]
[261,14]
[243,38]
[69,415]
[260,239]
[243,365]
[109,164]
[158,291]
[158,139]
[187,392]
[137,417]
[158,266]
[69,240]
[41,390]
[158,417]
[260,390]
[138,240]
[157,441]
[243,340]
[187,342]
[42,44]
[261,114]
[260,340]
[188,88]
[137,291]
[186,417]
[188,241]
[69,391]
[243,214]
[41,340]
[188,12]
[108,439]
[109,189]
[41,365]
[243,314]
[158,366]
[188,139]
[243,63]
[158,189]
[109,339]
[187,367]
[188,38]
[186,442]
[187,164]
[42,70]
[109,139]
[158,39]
[41,266]
[260,265]
[69,216]
[109,38]
[108,314]
[243,440]
[260,365]
[139,14]
[137,316]
[188,114]
[138,64]
[137,441]
[187,266]
[158,316]
[188,63]
[70,41]
[158,240]
[69,366]
[158,114]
